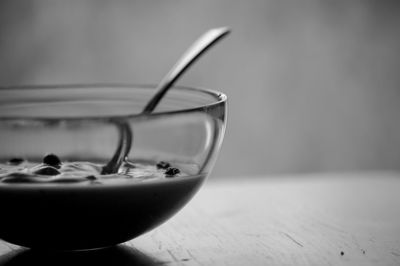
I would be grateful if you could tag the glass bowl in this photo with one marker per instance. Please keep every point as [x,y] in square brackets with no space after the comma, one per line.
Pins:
[82,123]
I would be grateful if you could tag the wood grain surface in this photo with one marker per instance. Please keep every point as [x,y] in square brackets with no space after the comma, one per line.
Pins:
[321,219]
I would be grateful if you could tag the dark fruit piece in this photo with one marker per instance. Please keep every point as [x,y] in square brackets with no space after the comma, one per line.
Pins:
[163,165]
[47,170]
[15,161]
[91,177]
[52,160]
[171,172]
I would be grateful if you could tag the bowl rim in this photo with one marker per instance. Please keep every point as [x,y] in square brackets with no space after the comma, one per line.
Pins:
[220,97]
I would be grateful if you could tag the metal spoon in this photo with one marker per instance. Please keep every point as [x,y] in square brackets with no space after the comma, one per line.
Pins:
[194,52]
[188,58]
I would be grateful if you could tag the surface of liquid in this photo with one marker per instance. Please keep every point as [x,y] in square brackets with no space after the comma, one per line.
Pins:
[84,172]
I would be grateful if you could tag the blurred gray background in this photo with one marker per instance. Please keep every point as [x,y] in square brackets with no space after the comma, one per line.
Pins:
[313,85]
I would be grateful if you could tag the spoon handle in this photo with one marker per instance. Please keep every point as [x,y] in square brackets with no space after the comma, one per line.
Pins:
[194,52]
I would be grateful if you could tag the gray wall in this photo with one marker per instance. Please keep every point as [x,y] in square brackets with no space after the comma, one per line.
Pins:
[313,85]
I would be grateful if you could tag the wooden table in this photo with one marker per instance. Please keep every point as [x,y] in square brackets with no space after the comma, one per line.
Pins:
[321,219]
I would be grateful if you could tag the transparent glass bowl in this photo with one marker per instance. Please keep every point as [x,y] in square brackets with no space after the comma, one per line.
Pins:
[78,123]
